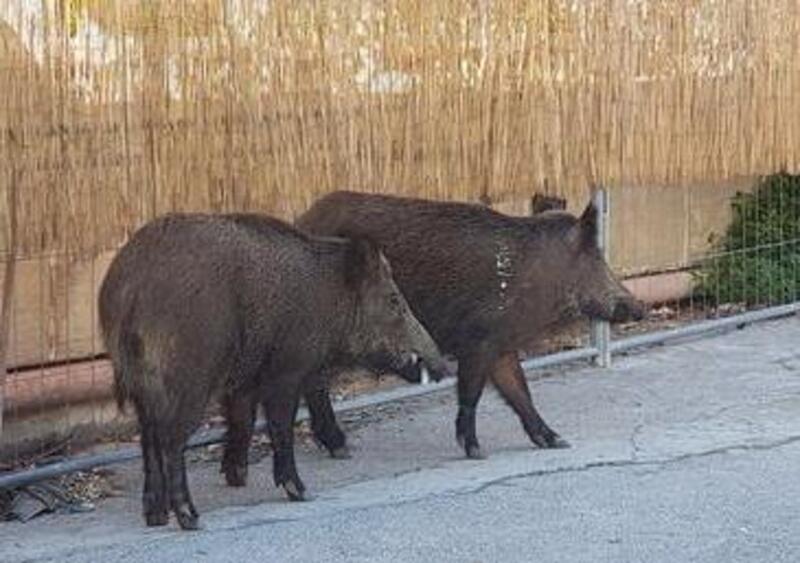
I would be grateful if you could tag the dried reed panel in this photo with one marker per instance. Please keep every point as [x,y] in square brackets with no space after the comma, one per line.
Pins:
[245,104]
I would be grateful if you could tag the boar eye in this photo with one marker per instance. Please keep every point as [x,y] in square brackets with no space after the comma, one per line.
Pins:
[394,301]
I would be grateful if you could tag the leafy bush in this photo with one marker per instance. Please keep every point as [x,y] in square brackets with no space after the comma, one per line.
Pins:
[757,260]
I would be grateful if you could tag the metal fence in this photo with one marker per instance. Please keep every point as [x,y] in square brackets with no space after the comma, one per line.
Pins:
[109,121]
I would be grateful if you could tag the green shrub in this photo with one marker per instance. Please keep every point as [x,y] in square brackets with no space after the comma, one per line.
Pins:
[757,260]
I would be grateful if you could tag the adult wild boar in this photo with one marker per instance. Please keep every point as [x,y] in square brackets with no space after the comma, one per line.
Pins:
[485,285]
[200,306]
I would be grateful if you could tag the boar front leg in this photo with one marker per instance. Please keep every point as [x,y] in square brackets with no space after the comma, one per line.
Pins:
[508,377]
[281,398]
[472,372]
[323,420]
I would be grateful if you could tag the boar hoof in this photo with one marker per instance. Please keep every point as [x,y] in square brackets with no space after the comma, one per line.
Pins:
[294,492]
[236,475]
[471,448]
[187,518]
[550,440]
[473,451]
[342,452]
[156,519]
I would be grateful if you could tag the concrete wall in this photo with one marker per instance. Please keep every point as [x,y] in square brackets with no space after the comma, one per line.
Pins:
[54,310]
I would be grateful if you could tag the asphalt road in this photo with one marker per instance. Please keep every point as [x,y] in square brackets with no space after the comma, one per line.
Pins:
[689,452]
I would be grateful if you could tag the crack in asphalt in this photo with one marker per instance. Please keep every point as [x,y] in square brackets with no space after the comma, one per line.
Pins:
[634,444]
[788,364]
[708,416]
[660,463]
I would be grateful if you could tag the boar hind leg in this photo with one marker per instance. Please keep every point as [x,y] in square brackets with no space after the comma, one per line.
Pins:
[323,420]
[508,377]
[280,405]
[154,497]
[174,429]
[174,438]
[471,380]
[240,412]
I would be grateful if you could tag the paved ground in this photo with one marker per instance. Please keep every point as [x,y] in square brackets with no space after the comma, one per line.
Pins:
[683,453]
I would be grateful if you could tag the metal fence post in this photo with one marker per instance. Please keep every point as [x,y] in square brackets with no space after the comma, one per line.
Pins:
[601,330]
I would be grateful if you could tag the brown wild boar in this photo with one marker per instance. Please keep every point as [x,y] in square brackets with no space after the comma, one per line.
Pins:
[485,285]
[197,306]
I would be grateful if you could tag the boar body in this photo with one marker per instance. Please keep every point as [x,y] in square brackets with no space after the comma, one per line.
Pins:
[196,307]
[485,285]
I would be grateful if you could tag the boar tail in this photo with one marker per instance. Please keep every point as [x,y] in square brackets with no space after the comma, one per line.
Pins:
[121,392]
[125,368]
[120,395]
[127,357]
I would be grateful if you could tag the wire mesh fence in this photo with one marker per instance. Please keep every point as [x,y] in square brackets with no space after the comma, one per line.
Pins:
[736,251]
[115,112]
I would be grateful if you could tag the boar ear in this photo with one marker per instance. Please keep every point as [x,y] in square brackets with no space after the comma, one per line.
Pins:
[541,203]
[362,261]
[588,225]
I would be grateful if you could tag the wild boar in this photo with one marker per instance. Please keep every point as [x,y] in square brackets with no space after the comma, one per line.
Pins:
[485,285]
[196,307]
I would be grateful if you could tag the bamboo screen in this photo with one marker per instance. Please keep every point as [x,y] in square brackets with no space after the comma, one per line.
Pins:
[114,111]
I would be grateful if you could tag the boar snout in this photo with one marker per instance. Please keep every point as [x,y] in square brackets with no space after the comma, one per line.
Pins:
[433,363]
[614,308]
[628,310]
[425,353]
[413,369]
[437,368]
